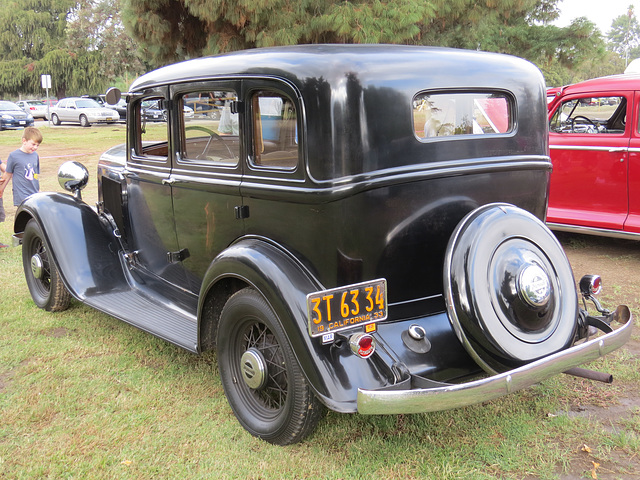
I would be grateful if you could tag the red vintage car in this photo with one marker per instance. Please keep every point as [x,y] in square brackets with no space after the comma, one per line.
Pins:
[595,150]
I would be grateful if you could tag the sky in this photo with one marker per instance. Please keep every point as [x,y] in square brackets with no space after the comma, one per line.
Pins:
[600,12]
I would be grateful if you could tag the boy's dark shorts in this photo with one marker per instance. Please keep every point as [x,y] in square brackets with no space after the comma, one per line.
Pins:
[2,215]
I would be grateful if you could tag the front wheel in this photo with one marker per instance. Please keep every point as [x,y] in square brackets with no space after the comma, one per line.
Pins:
[261,377]
[84,121]
[43,279]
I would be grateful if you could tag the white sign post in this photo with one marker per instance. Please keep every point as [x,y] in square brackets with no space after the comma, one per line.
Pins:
[46,83]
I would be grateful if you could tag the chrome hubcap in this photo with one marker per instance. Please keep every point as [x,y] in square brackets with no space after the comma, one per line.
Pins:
[534,286]
[36,266]
[254,368]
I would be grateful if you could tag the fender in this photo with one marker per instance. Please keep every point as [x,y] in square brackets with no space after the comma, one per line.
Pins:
[82,247]
[332,370]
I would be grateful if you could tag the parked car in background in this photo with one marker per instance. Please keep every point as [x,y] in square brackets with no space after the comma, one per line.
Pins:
[120,107]
[361,230]
[595,150]
[13,117]
[154,112]
[37,108]
[84,111]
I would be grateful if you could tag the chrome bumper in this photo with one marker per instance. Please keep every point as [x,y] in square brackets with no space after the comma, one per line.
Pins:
[373,402]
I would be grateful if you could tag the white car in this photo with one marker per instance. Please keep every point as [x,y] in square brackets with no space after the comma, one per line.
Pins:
[84,111]
[37,108]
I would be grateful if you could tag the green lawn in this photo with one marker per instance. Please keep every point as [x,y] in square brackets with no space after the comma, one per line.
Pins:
[83,395]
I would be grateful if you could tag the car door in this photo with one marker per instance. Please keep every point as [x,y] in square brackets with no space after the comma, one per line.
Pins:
[589,143]
[632,224]
[151,233]
[206,173]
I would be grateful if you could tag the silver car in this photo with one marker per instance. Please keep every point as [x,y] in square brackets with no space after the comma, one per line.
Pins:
[37,108]
[84,111]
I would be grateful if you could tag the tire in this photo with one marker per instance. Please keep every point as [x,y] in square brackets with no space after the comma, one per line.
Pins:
[84,122]
[43,279]
[262,380]
[509,288]
[55,120]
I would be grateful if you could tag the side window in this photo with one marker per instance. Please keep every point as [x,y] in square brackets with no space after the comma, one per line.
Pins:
[448,114]
[151,128]
[210,128]
[275,131]
[592,115]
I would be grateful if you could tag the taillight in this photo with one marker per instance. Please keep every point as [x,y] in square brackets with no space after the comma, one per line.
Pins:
[590,285]
[362,344]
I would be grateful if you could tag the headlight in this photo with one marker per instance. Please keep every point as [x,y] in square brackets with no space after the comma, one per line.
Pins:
[7,117]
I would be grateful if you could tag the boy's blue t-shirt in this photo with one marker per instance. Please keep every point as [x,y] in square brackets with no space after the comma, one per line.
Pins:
[25,168]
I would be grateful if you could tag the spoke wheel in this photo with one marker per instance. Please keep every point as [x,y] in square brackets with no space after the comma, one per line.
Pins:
[43,279]
[261,377]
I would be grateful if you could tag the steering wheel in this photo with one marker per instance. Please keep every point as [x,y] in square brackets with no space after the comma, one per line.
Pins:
[582,117]
[212,135]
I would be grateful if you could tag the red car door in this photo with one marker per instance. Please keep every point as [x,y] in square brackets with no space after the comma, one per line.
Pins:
[589,144]
[632,223]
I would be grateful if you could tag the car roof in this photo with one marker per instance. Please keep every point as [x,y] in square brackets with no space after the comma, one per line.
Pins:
[603,84]
[321,66]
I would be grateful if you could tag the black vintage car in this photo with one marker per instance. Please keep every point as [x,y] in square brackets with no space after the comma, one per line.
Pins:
[361,228]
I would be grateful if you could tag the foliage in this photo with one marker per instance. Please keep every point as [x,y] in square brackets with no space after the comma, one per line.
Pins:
[82,44]
[172,30]
[96,26]
[624,36]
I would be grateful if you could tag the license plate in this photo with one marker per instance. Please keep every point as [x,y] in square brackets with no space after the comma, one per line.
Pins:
[346,307]
[22,122]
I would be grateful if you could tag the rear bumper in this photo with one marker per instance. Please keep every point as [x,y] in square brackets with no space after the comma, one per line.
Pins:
[448,396]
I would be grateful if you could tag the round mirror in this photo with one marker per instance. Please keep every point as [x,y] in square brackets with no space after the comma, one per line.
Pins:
[73,176]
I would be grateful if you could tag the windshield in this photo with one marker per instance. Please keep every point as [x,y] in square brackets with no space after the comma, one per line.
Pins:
[9,106]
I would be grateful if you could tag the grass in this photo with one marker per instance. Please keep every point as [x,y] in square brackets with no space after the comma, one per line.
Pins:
[83,395]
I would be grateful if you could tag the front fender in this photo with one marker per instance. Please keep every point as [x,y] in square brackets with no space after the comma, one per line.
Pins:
[333,372]
[80,244]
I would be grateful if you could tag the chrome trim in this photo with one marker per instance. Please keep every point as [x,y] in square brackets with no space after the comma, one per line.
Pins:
[601,232]
[591,148]
[375,402]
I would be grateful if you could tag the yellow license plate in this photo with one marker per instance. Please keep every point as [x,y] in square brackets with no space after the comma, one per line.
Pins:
[346,307]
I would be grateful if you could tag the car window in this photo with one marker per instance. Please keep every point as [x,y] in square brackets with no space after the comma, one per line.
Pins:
[275,130]
[210,128]
[593,115]
[448,114]
[87,103]
[151,134]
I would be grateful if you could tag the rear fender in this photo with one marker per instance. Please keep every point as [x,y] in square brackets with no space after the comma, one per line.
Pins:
[82,246]
[332,371]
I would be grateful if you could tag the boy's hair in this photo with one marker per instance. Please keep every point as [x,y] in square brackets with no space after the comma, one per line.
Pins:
[32,133]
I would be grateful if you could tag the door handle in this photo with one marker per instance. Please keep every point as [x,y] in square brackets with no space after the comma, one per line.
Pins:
[168,181]
[618,149]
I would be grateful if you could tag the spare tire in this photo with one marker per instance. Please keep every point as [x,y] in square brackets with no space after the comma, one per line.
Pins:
[509,288]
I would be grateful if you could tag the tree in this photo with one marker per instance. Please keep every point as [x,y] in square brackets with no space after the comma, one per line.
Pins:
[624,36]
[172,30]
[32,28]
[96,26]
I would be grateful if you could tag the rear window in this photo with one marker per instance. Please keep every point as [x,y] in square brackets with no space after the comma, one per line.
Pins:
[451,114]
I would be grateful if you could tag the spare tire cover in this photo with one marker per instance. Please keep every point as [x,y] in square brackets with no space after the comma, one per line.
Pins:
[509,288]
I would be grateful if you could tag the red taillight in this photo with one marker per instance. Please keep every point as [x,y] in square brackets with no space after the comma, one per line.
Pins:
[362,344]
[590,285]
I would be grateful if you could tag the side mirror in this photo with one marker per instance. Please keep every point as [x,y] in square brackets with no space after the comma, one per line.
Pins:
[113,95]
[73,177]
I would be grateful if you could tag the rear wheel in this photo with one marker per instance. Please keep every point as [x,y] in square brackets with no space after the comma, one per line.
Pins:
[261,377]
[84,121]
[55,120]
[43,279]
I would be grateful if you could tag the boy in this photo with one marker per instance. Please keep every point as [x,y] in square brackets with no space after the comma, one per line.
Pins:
[2,215]
[23,165]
